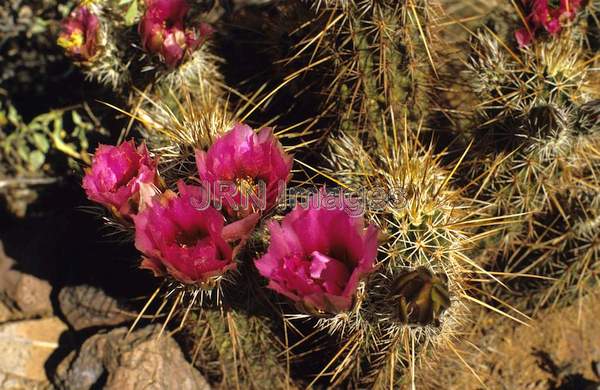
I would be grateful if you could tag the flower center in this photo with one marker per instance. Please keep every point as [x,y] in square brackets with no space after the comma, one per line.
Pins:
[168,23]
[246,185]
[186,239]
[130,171]
[332,274]
[75,39]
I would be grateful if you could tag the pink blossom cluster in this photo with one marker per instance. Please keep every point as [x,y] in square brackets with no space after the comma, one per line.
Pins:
[549,15]
[163,30]
[316,257]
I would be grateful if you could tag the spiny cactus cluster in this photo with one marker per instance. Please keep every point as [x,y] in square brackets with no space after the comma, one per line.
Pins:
[379,56]
[418,297]
[363,292]
[536,117]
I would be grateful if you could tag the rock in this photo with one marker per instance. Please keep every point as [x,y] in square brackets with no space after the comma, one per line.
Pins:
[86,306]
[13,382]
[6,313]
[141,360]
[27,293]
[31,295]
[25,346]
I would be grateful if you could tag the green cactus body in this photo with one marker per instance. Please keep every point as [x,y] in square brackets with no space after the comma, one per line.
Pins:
[536,117]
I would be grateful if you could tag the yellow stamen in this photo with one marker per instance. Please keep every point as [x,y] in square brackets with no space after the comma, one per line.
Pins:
[74,40]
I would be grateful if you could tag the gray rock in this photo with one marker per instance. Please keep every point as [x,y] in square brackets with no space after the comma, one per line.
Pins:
[140,360]
[86,306]
[31,295]
[27,295]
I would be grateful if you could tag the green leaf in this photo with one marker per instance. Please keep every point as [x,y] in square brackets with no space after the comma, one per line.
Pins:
[23,151]
[41,142]
[36,160]
[39,26]
[13,116]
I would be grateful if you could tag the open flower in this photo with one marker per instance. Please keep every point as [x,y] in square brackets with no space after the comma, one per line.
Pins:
[121,178]
[186,243]
[551,15]
[246,171]
[318,256]
[79,34]
[163,31]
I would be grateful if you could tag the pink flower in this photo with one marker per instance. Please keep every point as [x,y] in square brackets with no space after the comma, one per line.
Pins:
[163,31]
[79,34]
[317,257]
[121,178]
[551,15]
[188,244]
[242,164]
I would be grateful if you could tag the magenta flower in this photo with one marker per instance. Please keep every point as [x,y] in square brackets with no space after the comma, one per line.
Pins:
[317,257]
[79,34]
[551,15]
[188,244]
[246,171]
[122,178]
[163,31]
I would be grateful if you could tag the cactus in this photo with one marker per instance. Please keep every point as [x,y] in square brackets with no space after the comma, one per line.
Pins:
[117,56]
[352,59]
[372,68]
[232,337]
[539,152]
[246,352]
[416,299]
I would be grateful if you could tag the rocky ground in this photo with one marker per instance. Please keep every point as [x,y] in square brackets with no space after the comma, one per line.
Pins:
[62,331]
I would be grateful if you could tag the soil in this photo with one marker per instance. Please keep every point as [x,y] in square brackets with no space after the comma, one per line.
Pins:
[559,350]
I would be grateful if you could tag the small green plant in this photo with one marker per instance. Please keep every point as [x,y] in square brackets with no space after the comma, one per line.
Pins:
[33,152]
